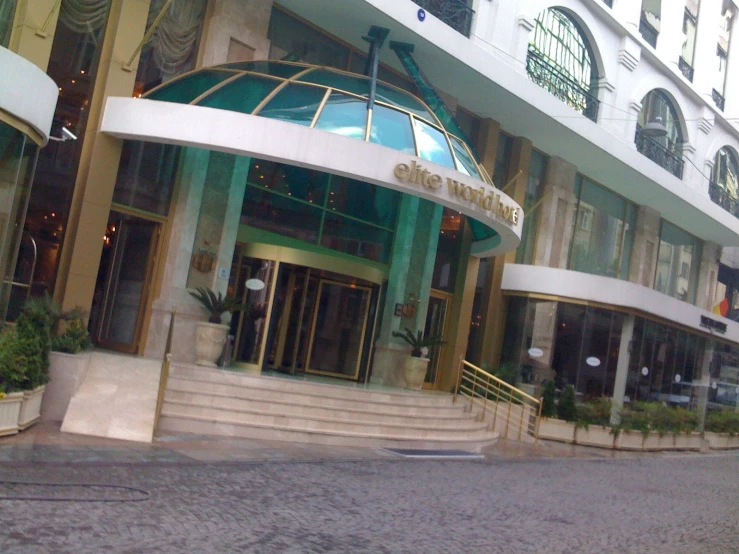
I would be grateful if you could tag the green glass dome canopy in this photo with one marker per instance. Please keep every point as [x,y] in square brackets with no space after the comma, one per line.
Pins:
[327,99]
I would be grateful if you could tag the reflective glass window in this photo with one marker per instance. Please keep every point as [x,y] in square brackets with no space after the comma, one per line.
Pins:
[403,100]
[344,115]
[340,81]
[393,129]
[502,160]
[355,238]
[283,70]
[465,162]
[298,182]
[146,176]
[187,89]
[7,13]
[281,215]
[534,187]
[446,264]
[365,201]
[677,263]
[295,103]
[242,95]
[432,144]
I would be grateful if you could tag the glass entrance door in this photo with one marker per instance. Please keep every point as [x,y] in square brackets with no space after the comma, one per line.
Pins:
[123,280]
[435,326]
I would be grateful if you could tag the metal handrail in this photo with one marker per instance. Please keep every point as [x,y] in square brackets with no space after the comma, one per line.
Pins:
[164,373]
[718,99]
[648,32]
[686,69]
[658,153]
[491,393]
[455,13]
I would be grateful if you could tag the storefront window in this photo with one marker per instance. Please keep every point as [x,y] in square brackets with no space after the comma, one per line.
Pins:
[604,231]
[7,13]
[448,248]
[479,308]
[534,191]
[146,176]
[172,48]
[678,263]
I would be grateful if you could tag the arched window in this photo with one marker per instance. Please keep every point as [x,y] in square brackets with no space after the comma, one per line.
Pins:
[560,60]
[724,180]
[663,148]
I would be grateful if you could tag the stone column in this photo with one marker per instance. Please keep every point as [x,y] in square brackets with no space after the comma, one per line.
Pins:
[707,276]
[646,243]
[622,368]
[556,211]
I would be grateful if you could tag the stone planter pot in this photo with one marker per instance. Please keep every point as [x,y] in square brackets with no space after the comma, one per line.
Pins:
[721,441]
[414,371]
[630,440]
[556,430]
[595,435]
[66,373]
[209,341]
[10,409]
[31,407]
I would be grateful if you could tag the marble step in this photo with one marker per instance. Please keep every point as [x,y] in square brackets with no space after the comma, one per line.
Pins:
[330,398]
[203,426]
[297,385]
[448,419]
[336,425]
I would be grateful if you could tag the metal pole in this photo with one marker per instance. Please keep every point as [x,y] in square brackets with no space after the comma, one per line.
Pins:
[536,426]
[459,379]
[508,419]
[164,374]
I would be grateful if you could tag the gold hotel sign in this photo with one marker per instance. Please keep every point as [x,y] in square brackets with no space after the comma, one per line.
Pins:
[485,198]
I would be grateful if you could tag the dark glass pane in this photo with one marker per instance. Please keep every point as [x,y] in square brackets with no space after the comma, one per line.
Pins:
[271,212]
[446,263]
[344,115]
[187,89]
[432,145]
[293,40]
[405,101]
[242,95]
[678,262]
[340,81]
[537,171]
[480,231]
[295,103]
[304,184]
[146,176]
[393,129]
[357,239]
[378,205]
[275,69]
[7,13]
[465,162]
[502,160]
[593,360]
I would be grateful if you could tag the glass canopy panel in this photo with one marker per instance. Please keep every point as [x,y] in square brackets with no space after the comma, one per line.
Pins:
[404,101]
[300,183]
[295,103]
[280,69]
[365,201]
[355,84]
[344,115]
[355,238]
[480,231]
[432,144]
[187,89]
[465,162]
[242,95]
[278,214]
[393,129]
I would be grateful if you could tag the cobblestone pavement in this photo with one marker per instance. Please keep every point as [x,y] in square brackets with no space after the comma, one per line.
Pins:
[667,504]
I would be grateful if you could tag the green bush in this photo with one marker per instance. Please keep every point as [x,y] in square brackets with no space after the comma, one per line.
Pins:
[548,405]
[649,417]
[595,412]
[73,340]
[566,408]
[722,421]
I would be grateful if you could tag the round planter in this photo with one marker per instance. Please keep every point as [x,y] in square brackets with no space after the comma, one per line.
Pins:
[415,372]
[209,341]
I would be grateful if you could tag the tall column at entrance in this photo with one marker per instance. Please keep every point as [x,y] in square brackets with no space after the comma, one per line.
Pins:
[622,368]
[409,283]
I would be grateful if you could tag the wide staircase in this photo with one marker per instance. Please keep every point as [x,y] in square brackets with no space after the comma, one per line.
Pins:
[228,403]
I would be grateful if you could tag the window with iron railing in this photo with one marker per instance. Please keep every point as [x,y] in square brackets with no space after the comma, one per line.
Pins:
[455,13]
[659,153]
[647,31]
[718,99]
[723,187]
[686,69]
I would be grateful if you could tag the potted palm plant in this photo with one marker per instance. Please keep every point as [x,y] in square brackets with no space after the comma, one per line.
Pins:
[210,336]
[415,366]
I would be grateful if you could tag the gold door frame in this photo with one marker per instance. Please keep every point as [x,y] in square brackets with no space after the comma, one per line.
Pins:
[311,337]
[448,298]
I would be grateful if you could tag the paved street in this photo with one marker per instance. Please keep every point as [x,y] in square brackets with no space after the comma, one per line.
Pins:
[664,504]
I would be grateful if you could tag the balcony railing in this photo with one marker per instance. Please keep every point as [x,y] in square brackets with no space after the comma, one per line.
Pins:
[455,13]
[560,85]
[718,99]
[722,197]
[686,69]
[648,32]
[659,154]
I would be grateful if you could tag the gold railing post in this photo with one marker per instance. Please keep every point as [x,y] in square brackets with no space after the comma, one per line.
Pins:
[164,373]
[474,389]
[508,418]
[459,379]
[536,424]
[520,422]
[485,400]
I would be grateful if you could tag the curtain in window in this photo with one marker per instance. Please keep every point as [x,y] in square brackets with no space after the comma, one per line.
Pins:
[7,12]
[84,16]
[174,39]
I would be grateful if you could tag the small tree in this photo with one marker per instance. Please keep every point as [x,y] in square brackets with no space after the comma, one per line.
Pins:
[566,408]
[548,405]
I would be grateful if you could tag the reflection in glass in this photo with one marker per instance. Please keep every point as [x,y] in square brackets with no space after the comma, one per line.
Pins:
[280,215]
[242,95]
[250,324]
[365,201]
[146,176]
[355,238]
[393,129]
[534,189]
[7,13]
[677,263]
[184,91]
[295,103]
[465,161]
[432,144]
[344,115]
[300,183]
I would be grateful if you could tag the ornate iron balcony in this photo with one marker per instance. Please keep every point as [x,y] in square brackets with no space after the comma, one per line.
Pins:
[560,85]
[686,69]
[659,154]
[718,99]
[648,32]
[722,197]
[455,13]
